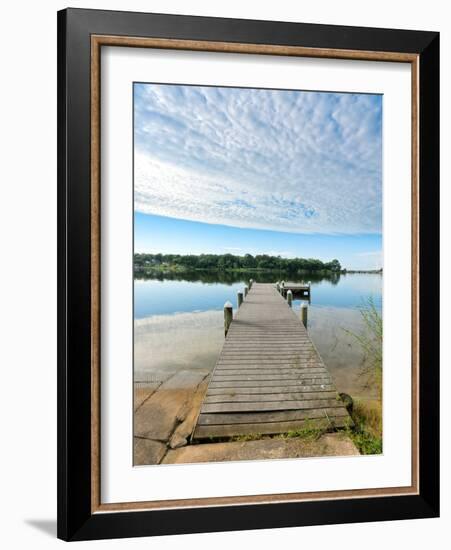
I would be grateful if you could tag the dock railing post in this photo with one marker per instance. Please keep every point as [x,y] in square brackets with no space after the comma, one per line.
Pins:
[246,290]
[304,310]
[251,281]
[282,284]
[290,298]
[228,316]
[239,298]
[278,286]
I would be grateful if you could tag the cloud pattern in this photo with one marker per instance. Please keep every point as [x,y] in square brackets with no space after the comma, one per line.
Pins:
[306,162]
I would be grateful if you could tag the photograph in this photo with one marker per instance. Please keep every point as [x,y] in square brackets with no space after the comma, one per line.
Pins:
[258,274]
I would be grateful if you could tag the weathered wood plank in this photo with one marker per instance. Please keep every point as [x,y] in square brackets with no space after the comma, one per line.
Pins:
[269,383]
[270,405]
[265,365]
[274,353]
[269,371]
[292,396]
[266,417]
[261,377]
[266,362]
[203,432]
[271,389]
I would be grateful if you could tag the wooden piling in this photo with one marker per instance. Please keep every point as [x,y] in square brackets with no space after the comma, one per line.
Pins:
[304,310]
[250,283]
[239,298]
[228,316]
[246,290]
[290,298]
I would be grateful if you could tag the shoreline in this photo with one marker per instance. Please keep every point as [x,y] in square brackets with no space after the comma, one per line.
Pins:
[168,270]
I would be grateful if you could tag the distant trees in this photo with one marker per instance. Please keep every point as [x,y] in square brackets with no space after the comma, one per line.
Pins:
[229,262]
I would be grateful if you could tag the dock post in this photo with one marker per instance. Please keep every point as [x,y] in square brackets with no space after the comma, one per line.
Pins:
[278,286]
[239,298]
[304,310]
[250,283]
[282,284]
[228,316]
[290,298]
[246,290]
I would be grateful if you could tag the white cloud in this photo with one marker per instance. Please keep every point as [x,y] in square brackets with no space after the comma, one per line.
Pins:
[288,161]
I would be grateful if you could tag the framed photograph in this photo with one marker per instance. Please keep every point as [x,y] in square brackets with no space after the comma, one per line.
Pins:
[248,274]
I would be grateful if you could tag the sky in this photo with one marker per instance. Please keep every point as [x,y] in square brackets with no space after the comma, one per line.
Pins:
[257,171]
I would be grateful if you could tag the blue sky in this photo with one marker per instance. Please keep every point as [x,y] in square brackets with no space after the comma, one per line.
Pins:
[258,171]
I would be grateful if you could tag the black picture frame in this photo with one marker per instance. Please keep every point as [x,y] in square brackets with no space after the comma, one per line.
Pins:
[76,520]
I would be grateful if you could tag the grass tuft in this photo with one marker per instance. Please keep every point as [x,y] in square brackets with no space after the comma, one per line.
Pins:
[246,437]
[370,340]
[307,432]
[367,415]
[367,431]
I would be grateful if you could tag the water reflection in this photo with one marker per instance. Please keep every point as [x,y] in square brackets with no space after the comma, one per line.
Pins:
[205,292]
[231,277]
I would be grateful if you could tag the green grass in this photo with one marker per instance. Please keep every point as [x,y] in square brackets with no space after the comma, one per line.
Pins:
[307,432]
[367,414]
[370,340]
[367,431]
[366,443]
[246,437]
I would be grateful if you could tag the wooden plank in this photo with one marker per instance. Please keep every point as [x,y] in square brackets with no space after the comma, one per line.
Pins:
[268,355]
[253,397]
[269,383]
[256,365]
[278,350]
[261,377]
[270,406]
[237,365]
[268,364]
[269,371]
[203,432]
[267,417]
[270,389]
[262,332]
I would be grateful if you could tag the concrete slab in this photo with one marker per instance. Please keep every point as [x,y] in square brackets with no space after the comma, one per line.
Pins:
[157,417]
[147,451]
[188,418]
[327,445]
[143,391]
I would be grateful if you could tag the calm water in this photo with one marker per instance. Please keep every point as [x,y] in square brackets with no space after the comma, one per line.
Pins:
[156,297]
[179,321]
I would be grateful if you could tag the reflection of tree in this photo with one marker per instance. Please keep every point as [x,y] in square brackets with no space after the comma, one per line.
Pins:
[334,278]
[231,277]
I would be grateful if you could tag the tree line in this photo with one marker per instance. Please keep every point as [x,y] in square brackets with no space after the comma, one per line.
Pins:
[262,262]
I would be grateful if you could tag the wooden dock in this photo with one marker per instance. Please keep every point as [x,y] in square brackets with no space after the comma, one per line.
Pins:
[269,377]
[298,290]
